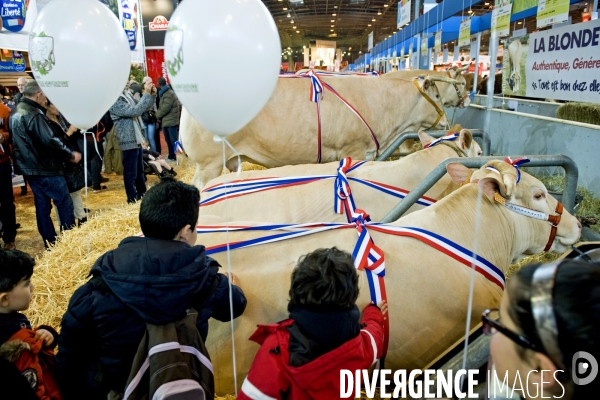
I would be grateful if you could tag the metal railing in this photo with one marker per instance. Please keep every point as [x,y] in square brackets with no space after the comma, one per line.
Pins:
[477,133]
[571,176]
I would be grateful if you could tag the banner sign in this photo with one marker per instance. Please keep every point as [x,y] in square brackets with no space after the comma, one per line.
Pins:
[402,52]
[129,16]
[438,41]
[14,63]
[156,15]
[18,17]
[403,13]
[424,44]
[552,12]
[562,64]
[370,44]
[464,37]
[501,20]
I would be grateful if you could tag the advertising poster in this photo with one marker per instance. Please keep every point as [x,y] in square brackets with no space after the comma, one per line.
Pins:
[438,41]
[129,16]
[403,13]
[424,44]
[156,15]
[464,37]
[552,12]
[402,53]
[370,44]
[561,63]
[501,20]
[12,61]
[17,18]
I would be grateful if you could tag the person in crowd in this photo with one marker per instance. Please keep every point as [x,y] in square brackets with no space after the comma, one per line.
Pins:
[126,114]
[100,130]
[549,315]
[301,357]
[136,90]
[149,119]
[7,199]
[168,113]
[39,156]
[156,162]
[28,349]
[151,279]
[74,173]
[21,81]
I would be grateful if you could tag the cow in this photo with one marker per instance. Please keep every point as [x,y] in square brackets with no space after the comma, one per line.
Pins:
[427,290]
[285,131]
[314,201]
[482,86]
[452,94]
[514,77]
[470,81]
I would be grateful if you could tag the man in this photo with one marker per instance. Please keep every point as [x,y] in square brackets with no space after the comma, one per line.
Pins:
[39,157]
[126,113]
[21,81]
[7,199]
[168,112]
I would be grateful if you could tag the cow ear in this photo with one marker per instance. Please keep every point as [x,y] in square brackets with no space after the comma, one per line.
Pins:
[427,82]
[465,139]
[425,138]
[490,185]
[458,172]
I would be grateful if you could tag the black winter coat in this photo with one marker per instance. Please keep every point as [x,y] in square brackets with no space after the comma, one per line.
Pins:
[145,280]
[36,150]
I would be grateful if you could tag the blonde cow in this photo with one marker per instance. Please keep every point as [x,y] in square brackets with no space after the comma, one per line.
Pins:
[313,201]
[427,290]
[285,131]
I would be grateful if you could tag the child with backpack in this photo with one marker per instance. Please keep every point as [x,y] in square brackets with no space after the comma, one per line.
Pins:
[29,350]
[146,281]
[301,357]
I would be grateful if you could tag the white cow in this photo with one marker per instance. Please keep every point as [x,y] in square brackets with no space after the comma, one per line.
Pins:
[285,131]
[314,201]
[514,77]
[427,290]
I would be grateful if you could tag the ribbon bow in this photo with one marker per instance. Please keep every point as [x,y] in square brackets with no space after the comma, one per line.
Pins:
[342,200]
[447,138]
[316,87]
[366,255]
[178,147]
[517,164]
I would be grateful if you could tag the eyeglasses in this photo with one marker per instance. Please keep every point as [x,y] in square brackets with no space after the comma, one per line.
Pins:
[491,325]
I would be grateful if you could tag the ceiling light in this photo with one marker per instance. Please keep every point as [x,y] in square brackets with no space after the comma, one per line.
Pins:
[336,6]
[519,22]
[334,14]
[349,48]
[297,31]
[284,8]
[332,26]
[294,27]
[385,5]
[289,15]
[331,30]
[373,20]
[487,3]
[368,24]
[378,12]
[292,21]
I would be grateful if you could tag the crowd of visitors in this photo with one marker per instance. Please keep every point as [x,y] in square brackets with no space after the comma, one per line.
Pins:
[39,144]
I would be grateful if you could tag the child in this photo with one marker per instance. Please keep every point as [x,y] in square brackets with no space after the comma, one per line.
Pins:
[301,358]
[29,350]
[154,159]
[152,279]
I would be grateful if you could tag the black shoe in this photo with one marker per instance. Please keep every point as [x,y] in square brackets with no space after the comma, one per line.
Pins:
[17,226]
[86,210]
[172,172]
[81,221]
[103,179]
[100,189]
[23,190]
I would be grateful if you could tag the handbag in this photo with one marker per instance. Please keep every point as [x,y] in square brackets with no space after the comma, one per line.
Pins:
[149,116]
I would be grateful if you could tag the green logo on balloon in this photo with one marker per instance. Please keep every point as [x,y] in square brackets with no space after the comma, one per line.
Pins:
[174,46]
[41,52]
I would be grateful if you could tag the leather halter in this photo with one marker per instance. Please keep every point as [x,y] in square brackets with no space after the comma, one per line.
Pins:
[554,221]
[433,103]
[461,98]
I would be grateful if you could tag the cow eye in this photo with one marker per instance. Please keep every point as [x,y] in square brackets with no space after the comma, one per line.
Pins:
[539,196]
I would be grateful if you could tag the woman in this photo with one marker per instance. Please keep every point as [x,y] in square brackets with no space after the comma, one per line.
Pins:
[74,174]
[550,322]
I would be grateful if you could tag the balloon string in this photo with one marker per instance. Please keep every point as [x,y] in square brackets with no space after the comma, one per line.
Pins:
[223,141]
[85,180]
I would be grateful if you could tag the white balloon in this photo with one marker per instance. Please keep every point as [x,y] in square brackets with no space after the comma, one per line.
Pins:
[79,55]
[207,46]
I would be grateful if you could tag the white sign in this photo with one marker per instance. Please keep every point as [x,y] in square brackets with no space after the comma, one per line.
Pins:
[337,66]
[445,56]
[15,31]
[438,41]
[464,37]
[130,17]
[501,20]
[403,13]
[370,45]
[552,12]
[560,63]
[424,45]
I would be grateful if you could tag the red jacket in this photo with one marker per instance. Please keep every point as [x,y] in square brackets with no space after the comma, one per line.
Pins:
[271,376]
[34,362]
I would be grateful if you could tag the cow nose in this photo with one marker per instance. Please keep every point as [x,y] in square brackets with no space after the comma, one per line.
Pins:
[579,224]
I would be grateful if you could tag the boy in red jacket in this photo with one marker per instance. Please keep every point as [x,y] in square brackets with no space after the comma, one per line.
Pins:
[29,350]
[301,357]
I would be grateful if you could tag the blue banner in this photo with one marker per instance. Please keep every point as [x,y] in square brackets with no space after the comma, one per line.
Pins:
[14,63]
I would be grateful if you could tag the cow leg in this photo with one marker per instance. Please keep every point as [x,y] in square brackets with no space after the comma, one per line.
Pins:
[205,173]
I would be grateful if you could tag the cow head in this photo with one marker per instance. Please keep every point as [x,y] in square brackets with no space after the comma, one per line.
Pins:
[431,91]
[464,142]
[456,93]
[500,178]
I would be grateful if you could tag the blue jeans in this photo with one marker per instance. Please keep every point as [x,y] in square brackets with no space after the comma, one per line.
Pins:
[150,130]
[133,174]
[46,188]
[171,136]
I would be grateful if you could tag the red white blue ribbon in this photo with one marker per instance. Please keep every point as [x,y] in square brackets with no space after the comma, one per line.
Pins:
[447,138]
[178,147]
[517,164]
[343,202]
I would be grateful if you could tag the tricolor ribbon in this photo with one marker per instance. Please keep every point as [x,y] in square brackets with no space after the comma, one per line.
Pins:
[517,164]
[178,147]
[342,196]
[316,87]
[447,138]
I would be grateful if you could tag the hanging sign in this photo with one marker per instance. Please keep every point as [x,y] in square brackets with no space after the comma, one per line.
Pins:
[394,58]
[424,44]
[464,37]
[552,12]
[562,63]
[403,13]
[156,15]
[370,43]
[402,52]
[14,63]
[445,56]
[18,17]
[438,41]
[501,20]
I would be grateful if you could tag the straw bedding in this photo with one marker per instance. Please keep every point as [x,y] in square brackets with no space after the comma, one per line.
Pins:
[588,113]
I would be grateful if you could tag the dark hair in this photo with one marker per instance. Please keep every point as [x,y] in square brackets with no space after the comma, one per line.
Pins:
[161,81]
[167,207]
[576,304]
[31,89]
[14,266]
[325,280]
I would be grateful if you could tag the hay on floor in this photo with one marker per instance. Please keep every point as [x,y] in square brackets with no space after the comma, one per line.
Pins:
[588,113]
